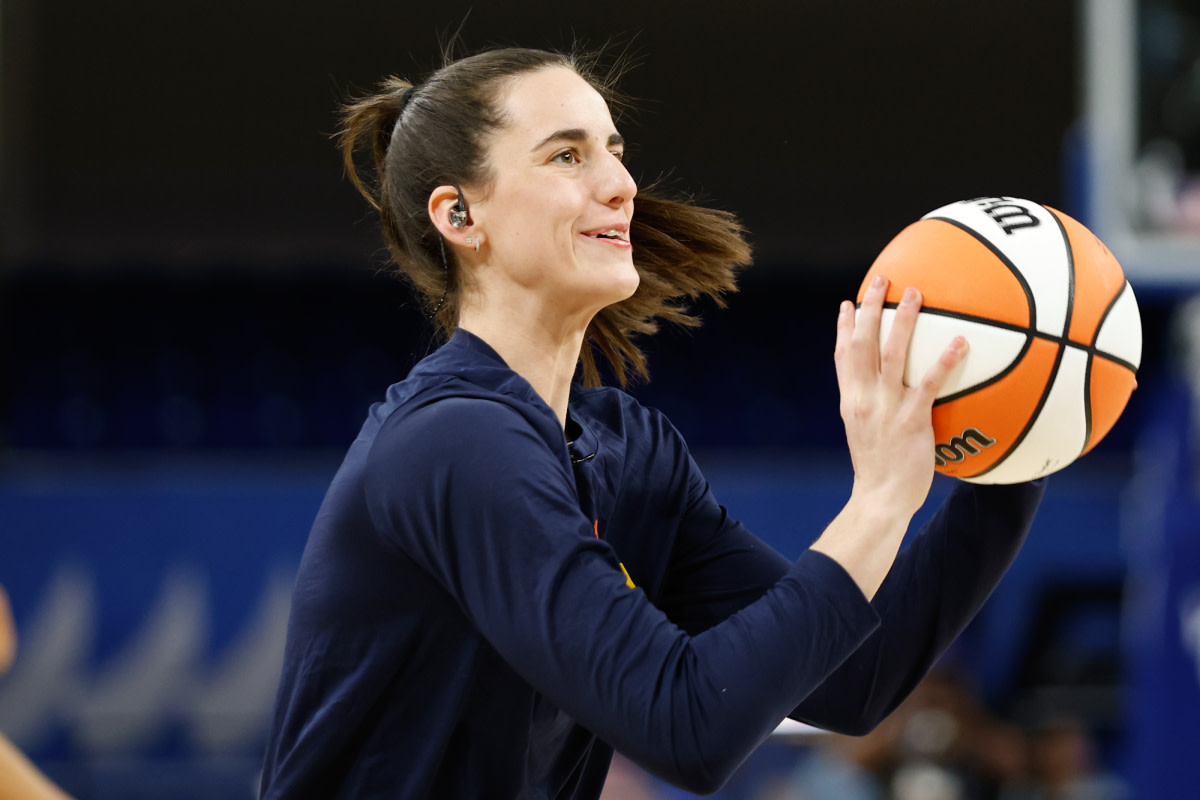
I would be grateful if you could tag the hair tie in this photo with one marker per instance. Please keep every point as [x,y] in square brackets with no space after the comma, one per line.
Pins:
[406,97]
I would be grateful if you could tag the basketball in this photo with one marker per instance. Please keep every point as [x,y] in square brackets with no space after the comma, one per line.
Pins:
[1053,327]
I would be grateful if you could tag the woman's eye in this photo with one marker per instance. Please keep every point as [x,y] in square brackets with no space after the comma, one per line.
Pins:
[620,155]
[567,157]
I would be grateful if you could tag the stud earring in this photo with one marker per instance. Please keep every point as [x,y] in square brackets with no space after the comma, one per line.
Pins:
[475,240]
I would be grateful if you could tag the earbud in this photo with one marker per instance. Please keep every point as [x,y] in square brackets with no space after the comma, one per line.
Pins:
[459,214]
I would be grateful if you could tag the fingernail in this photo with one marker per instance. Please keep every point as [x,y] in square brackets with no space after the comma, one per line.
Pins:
[879,281]
[844,309]
[911,295]
[960,343]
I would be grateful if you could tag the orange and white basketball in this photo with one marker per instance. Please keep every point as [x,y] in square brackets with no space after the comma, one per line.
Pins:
[1054,331]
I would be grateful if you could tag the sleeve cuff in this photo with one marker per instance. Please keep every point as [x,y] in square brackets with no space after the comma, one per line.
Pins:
[819,573]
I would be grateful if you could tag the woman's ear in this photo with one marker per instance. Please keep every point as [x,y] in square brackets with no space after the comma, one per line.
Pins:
[448,211]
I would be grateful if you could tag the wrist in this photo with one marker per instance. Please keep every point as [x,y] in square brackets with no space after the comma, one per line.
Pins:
[883,504]
[865,538]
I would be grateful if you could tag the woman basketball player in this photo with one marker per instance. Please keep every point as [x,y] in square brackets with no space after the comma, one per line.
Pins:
[511,574]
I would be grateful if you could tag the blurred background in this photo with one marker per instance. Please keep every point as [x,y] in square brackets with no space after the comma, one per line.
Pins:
[195,316]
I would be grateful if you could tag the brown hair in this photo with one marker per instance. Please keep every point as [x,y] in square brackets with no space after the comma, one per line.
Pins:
[436,132]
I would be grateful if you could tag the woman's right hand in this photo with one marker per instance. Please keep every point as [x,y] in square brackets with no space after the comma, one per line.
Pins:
[889,426]
[889,429]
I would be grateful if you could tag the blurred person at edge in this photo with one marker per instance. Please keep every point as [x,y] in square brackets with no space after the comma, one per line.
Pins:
[512,573]
[19,778]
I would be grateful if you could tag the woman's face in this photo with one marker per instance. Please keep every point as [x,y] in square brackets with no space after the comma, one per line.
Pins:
[556,218]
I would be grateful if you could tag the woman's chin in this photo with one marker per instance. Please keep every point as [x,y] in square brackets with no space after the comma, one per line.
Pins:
[625,286]
[611,285]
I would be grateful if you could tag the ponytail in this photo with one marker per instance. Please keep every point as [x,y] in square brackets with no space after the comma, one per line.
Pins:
[372,119]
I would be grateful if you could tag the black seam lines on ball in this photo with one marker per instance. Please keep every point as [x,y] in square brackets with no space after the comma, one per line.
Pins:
[1004,259]
[1058,359]
[1104,317]
[1087,373]
[1037,412]
[1070,272]
[1028,332]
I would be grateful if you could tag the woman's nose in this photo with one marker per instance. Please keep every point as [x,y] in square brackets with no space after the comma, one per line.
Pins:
[619,187]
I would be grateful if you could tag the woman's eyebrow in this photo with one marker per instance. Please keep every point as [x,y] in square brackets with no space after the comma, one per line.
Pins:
[576,135]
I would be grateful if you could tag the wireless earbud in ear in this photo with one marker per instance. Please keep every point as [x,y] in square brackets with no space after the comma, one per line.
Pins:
[459,216]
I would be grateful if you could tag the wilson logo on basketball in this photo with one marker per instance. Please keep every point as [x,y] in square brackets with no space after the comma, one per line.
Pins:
[1008,215]
[968,443]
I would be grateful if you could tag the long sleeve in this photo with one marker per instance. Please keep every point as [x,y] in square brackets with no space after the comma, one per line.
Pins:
[937,585]
[471,492]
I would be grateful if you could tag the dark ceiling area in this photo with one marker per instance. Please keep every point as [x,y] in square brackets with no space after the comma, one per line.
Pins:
[185,134]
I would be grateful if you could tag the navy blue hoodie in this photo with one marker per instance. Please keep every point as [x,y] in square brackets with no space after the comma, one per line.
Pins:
[484,610]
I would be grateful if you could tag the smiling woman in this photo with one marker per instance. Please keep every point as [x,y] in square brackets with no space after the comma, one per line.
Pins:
[513,573]
[439,133]
[554,224]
